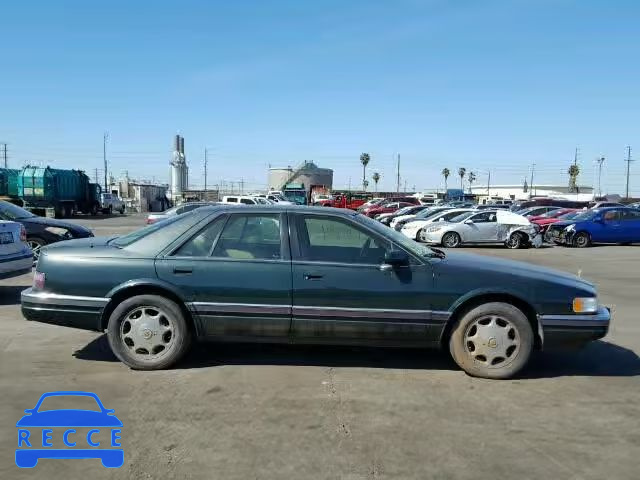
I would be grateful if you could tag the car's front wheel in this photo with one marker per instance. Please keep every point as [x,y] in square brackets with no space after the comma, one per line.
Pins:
[515,241]
[581,240]
[148,332]
[451,240]
[493,340]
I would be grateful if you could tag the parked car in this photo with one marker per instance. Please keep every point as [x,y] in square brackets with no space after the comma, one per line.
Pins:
[178,210]
[42,231]
[551,214]
[635,205]
[241,199]
[488,226]
[16,257]
[110,202]
[547,201]
[387,207]
[414,229]
[493,206]
[306,275]
[536,211]
[400,221]
[387,218]
[601,225]
[603,204]
[545,221]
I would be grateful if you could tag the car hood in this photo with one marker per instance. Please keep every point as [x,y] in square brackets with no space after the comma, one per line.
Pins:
[52,222]
[479,263]
[69,418]
[564,223]
[401,218]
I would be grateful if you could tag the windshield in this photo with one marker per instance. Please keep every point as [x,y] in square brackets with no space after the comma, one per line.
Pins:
[9,211]
[424,214]
[586,215]
[569,215]
[404,210]
[414,247]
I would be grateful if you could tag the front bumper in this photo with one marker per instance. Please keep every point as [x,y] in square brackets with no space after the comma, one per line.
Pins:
[65,310]
[567,329]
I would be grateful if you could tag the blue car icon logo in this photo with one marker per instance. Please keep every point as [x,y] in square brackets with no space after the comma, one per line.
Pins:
[82,433]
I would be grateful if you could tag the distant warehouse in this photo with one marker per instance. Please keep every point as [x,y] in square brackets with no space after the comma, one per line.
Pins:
[309,175]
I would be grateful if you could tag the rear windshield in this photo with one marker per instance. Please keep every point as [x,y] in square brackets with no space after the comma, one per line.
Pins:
[155,237]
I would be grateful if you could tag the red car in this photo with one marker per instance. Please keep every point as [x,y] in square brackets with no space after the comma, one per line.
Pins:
[543,221]
[389,207]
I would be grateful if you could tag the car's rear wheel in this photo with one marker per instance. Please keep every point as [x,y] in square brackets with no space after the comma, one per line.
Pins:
[421,236]
[148,332]
[515,241]
[451,240]
[493,340]
[581,240]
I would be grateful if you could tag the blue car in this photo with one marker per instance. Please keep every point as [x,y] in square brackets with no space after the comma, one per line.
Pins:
[601,225]
[35,433]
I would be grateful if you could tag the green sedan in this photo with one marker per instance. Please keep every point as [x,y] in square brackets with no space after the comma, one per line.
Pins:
[306,275]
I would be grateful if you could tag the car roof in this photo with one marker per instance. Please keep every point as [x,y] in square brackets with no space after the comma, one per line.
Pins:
[236,208]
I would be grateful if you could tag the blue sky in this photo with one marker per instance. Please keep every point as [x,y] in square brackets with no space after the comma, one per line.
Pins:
[488,85]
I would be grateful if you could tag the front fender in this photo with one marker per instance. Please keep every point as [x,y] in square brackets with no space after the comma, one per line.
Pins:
[483,292]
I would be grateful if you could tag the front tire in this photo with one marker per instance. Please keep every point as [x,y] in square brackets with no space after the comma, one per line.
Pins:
[515,241]
[581,240]
[451,240]
[148,332]
[493,340]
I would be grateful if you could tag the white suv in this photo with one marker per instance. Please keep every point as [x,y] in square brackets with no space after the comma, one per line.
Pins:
[110,202]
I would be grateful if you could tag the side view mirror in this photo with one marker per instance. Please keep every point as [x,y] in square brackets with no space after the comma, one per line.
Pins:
[394,259]
[468,222]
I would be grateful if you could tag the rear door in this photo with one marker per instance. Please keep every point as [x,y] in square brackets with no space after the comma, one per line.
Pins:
[236,273]
[631,225]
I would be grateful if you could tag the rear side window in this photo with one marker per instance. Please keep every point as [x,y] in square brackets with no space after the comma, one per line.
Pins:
[232,200]
[248,237]
[247,201]
[630,215]
[201,244]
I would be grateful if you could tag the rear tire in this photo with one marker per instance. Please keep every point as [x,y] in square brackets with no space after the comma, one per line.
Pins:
[493,340]
[148,332]
[451,240]
[581,240]
[36,244]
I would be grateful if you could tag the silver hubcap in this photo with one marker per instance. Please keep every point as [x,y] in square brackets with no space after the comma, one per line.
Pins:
[148,332]
[450,241]
[492,341]
[581,240]
[513,240]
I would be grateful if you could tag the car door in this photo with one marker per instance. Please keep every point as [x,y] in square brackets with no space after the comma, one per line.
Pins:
[340,293]
[236,274]
[480,228]
[631,225]
[609,229]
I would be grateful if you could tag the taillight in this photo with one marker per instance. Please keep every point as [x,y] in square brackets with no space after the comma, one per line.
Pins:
[23,234]
[150,221]
[38,280]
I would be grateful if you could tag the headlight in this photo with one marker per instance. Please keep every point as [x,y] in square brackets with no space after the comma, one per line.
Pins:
[585,305]
[61,232]
[570,228]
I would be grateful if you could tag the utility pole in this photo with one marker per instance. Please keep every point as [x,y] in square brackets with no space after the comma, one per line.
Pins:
[398,176]
[96,175]
[349,183]
[4,154]
[489,184]
[104,157]
[405,186]
[241,186]
[628,160]
[600,162]
[533,167]
[205,169]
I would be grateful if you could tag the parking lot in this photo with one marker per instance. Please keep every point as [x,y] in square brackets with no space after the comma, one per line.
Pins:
[263,411]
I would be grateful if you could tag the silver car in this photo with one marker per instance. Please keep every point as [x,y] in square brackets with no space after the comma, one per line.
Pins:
[177,210]
[488,226]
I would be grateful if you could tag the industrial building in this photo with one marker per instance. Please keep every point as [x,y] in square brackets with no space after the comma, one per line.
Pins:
[524,192]
[141,196]
[308,174]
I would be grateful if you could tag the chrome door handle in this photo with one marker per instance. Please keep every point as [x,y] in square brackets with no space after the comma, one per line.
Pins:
[309,276]
[182,270]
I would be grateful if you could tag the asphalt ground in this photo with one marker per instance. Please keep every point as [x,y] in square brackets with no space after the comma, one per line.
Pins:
[274,412]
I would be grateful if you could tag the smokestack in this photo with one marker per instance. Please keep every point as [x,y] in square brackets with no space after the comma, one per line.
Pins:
[176,145]
[182,145]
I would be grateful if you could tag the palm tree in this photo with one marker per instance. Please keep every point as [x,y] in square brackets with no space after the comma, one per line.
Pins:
[376,179]
[462,171]
[574,171]
[364,160]
[445,174]
[471,178]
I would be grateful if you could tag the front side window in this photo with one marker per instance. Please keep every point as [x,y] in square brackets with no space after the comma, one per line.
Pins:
[330,239]
[201,244]
[247,201]
[485,217]
[248,237]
